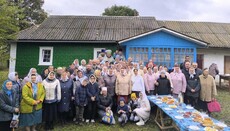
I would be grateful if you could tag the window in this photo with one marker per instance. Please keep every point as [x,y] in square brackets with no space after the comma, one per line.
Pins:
[96,52]
[180,53]
[46,56]
[139,54]
[161,56]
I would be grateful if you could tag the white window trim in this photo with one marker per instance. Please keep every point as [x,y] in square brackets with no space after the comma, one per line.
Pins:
[40,62]
[95,50]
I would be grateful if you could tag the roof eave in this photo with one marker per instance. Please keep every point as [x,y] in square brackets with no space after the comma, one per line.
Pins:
[169,31]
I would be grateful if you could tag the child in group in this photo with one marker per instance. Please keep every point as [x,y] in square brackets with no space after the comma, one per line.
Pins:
[133,104]
[123,112]
[81,100]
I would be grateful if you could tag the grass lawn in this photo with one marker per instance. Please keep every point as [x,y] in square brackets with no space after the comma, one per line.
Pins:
[224,115]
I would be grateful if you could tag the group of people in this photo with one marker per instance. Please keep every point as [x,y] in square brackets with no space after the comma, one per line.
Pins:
[100,89]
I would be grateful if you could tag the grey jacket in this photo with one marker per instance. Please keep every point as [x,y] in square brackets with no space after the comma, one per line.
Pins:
[7,106]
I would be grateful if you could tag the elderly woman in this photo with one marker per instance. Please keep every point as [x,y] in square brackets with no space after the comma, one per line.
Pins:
[193,87]
[123,85]
[66,96]
[178,80]
[149,80]
[104,102]
[27,78]
[137,83]
[9,104]
[143,111]
[99,78]
[53,96]
[13,76]
[33,94]
[208,91]
[163,86]
[82,67]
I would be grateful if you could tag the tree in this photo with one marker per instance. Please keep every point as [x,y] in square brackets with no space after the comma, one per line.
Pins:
[9,26]
[120,11]
[32,11]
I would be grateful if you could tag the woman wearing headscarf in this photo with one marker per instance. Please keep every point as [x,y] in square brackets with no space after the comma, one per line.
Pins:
[178,80]
[66,96]
[110,82]
[33,94]
[123,85]
[53,96]
[99,78]
[93,92]
[9,104]
[27,78]
[143,111]
[104,102]
[13,76]
[208,91]
[150,80]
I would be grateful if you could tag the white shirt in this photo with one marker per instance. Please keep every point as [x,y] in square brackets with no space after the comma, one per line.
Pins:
[138,83]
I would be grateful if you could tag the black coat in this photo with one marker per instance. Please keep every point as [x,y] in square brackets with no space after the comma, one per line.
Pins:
[193,83]
[93,90]
[104,102]
[66,95]
[164,87]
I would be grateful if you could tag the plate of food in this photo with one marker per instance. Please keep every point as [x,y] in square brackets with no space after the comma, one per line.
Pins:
[207,122]
[158,102]
[168,109]
[173,106]
[189,107]
[164,99]
[170,101]
[210,129]
[179,117]
[187,114]
[194,128]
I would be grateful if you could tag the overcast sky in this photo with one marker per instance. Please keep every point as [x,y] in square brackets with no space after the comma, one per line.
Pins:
[183,10]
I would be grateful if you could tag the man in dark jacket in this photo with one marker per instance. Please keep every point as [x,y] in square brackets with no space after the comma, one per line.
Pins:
[193,87]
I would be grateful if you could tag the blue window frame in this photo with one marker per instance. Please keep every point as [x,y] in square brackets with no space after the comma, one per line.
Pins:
[166,56]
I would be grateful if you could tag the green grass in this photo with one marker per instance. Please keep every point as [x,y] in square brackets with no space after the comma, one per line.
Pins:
[224,115]
[3,76]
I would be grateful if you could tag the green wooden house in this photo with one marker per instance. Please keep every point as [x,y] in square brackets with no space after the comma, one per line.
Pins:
[61,39]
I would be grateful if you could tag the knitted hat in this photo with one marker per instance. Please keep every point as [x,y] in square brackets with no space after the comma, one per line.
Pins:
[133,95]
[108,51]
[104,89]
[122,99]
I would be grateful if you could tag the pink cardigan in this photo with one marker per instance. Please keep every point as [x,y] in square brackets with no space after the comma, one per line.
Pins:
[179,82]
[149,80]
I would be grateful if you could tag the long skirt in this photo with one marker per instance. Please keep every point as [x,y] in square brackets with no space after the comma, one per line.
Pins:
[50,112]
[5,126]
[30,119]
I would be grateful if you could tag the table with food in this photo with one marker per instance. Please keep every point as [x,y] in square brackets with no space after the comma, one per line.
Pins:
[184,117]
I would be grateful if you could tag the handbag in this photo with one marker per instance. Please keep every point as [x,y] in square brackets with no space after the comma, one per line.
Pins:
[214,106]
[108,118]
[15,121]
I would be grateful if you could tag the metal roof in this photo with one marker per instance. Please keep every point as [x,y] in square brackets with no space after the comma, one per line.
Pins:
[117,28]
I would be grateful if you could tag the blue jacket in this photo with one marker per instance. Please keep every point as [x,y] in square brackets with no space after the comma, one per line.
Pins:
[81,97]
[124,108]
[66,95]
[7,106]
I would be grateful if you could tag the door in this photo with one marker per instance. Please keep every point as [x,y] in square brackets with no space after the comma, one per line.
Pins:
[226,64]
[200,60]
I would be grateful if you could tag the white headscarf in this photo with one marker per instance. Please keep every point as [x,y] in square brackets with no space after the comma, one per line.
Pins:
[11,76]
[30,72]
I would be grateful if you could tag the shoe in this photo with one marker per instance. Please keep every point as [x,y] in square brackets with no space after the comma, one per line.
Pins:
[87,121]
[140,123]
[92,121]
[80,124]
[123,124]
[74,119]
[76,122]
